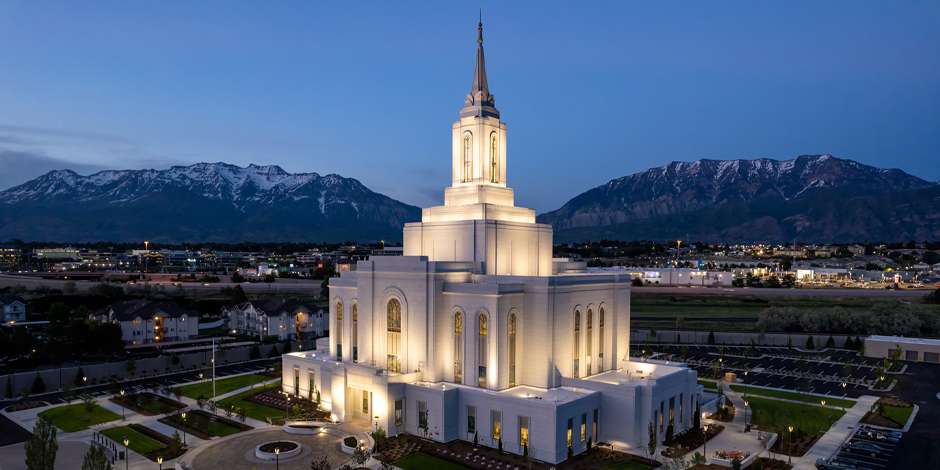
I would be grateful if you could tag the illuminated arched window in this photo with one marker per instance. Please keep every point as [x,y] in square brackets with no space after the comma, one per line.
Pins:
[481,351]
[512,349]
[393,345]
[458,347]
[339,331]
[588,346]
[576,350]
[467,157]
[494,158]
[600,340]
[354,335]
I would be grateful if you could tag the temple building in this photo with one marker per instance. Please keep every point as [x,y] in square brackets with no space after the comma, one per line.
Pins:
[478,334]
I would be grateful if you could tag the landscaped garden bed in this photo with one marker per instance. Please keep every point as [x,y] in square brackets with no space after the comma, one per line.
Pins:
[148,404]
[146,441]
[889,412]
[299,408]
[204,425]
[692,439]
[809,423]
[24,405]
[724,414]
[72,418]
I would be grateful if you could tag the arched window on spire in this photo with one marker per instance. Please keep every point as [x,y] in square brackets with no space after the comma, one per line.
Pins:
[494,158]
[467,157]
[600,340]
[393,327]
[339,331]
[590,338]
[512,349]
[458,347]
[481,350]
[576,347]
[354,334]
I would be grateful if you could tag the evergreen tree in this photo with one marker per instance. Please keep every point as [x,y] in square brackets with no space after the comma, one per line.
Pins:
[652,442]
[42,447]
[831,342]
[39,385]
[711,337]
[95,459]
[809,343]
[9,389]
[79,378]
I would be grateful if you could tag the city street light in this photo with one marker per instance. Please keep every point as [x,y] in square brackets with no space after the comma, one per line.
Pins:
[790,444]
[277,458]
[184,427]
[160,462]
[746,427]
[127,455]
[705,443]
[122,405]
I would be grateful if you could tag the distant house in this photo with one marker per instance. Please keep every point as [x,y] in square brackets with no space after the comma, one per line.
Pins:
[145,321]
[13,309]
[285,319]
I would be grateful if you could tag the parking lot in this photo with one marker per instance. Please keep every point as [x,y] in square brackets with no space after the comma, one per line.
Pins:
[839,373]
[867,448]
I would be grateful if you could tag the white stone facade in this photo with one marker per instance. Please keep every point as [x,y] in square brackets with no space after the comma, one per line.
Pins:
[476,333]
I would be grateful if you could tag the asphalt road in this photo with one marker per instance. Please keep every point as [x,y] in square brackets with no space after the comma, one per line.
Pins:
[918,448]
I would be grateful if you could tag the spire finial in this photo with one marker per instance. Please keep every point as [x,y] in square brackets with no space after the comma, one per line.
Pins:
[480,28]
[480,101]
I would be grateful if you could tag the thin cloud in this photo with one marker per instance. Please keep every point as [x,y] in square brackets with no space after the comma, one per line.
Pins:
[20,166]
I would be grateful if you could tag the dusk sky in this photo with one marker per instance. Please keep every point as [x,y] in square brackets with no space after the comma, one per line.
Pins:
[590,90]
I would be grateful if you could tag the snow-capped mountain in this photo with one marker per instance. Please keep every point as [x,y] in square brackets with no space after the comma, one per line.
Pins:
[808,198]
[200,202]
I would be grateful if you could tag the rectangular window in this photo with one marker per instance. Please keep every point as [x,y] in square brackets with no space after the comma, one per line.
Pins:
[339,352]
[423,415]
[481,376]
[569,436]
[583,427]
[365,402]
[311,386]
[296,382]
[399,411]
[672,412]
[910,355]
[471,420]
[681,408]
[661,414]
[932,357]
[594,430]
[496,420]
[523,432]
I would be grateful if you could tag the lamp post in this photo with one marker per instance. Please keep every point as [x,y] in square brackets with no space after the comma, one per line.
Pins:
[705,443]
[287,408]
[160,462]
[789,444]
[183,415]
[127,456]
[746,426]
[122,405]
[277,458]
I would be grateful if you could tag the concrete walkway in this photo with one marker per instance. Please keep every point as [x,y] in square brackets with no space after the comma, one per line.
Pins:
[733,437]
[829,443]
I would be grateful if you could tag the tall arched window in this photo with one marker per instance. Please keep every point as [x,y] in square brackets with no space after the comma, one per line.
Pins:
[576,351]
[354,335]
[588,343]
[494,158]
[467,157]
[339,331]
[481,351]
[458,347]
[512,349]
[393,337]
[600,340]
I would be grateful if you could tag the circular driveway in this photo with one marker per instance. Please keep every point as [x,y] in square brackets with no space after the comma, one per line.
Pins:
[237,452]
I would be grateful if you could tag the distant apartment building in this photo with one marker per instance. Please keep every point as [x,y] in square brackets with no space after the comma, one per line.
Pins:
[814,274]
[284,319]
[145,321]
[12,309]
[9,258]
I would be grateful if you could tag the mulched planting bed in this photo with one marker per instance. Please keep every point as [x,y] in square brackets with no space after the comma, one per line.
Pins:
[350,441]
[24,405]
[725,414]
[687,441]
[205,425]
[889,412]
[148,404]
[299,408]
[284,446]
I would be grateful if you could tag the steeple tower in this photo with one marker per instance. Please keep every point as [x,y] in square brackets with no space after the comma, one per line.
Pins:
[479,102]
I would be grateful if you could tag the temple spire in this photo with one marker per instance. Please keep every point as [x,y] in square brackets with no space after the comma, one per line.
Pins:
[479,102]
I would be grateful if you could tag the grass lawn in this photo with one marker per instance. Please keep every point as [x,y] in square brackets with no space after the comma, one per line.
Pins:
[772,414]
[764,392]
[709,384]
[251,409]
[898,414]
[222,386]
[421,461]
[140,443]
[71,418]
